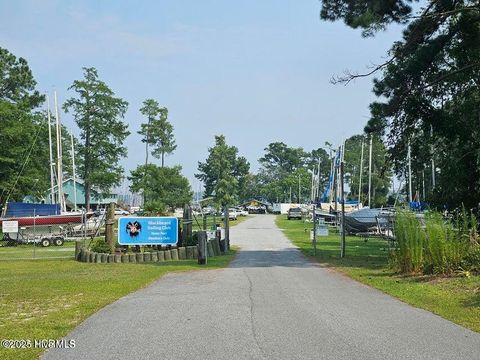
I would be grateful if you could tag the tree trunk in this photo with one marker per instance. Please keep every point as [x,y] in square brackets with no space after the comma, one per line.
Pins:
[163,158]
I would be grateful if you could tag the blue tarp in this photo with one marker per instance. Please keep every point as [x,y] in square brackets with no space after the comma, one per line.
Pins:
[418,205]
[15,209]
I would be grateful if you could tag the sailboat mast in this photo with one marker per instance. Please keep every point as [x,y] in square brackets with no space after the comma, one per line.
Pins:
[432,150]
[409,173]
[74,173]
[317,188]
[360,175]
[370,174]
[312,186]
[52,164]
[59,157]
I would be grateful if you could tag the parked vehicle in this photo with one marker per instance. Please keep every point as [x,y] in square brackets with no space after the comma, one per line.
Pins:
[294,213]
[241,211]
[232,214]
[119,211]
[257,209]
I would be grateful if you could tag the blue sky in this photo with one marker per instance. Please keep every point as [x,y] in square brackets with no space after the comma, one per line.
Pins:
[255,71]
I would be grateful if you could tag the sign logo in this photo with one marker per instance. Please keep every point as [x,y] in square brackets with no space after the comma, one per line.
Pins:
[147,230]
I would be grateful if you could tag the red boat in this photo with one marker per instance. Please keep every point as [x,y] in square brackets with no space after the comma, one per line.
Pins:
[47,220]
[28,214]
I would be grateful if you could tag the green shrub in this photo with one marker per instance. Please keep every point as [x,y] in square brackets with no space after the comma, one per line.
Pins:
[191,241]
[472,259]
[100,246]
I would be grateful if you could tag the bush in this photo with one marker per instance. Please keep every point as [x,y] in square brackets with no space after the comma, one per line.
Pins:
[99,246]
[472,260]
[191,241]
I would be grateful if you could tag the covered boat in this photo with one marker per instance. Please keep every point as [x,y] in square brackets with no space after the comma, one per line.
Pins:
[365,220]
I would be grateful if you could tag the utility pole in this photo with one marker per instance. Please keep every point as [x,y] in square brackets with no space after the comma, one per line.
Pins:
[370,174]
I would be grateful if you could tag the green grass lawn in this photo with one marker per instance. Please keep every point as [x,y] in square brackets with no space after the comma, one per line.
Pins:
[67,250]
[454,298]
[48,298]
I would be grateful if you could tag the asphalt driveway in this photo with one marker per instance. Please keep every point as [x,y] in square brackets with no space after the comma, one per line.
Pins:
[271,303]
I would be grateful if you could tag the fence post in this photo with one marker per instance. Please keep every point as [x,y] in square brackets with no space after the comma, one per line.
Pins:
[109,227]
[187,225]
[227,228]
[202,247]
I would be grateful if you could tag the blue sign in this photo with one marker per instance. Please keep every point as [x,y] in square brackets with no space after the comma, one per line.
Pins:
[147,230]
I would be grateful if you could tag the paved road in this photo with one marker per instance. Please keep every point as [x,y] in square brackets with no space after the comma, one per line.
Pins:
[271,303]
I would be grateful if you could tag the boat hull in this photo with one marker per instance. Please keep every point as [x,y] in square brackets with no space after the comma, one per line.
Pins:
[47,220]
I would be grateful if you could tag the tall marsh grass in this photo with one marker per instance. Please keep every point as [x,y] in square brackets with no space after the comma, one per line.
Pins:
[431,245]
[446,245]
[410,237]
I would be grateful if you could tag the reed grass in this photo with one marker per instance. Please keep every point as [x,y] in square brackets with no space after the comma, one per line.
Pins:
[408,257]
[446,245]
[432,245]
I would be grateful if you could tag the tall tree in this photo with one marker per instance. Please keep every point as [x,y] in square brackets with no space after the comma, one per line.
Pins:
[158,131]
[165,187]
[429,90]
[24,156]
[98,114]
[223,173]
[284,168]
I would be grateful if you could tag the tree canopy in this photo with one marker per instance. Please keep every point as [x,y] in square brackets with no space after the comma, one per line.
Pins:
[284,169]
[165,187]
[429,90]
[223,173]
[158,131]
[24,154]
[98,114]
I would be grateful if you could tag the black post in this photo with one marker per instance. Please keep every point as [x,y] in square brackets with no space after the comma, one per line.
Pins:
[202,247]
[342,252]
[227,229]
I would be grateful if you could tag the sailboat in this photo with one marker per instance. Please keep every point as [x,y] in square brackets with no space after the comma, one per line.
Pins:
[54,214]
[27,214]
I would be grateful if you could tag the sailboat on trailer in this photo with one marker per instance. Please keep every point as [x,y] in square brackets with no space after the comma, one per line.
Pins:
[27,214]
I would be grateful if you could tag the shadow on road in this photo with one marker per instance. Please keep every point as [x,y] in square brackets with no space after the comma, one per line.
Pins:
[271,258]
